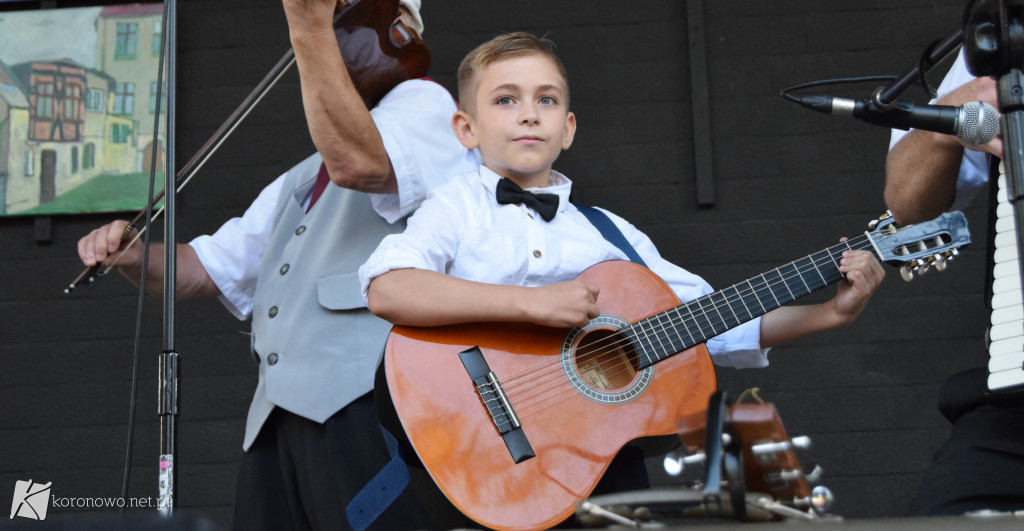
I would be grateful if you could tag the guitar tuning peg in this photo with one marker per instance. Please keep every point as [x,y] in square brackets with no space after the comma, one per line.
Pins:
[821,499]
[802,442]
[906,272]
[675,462]
[940,262]
[768,449]
[814,475]
[872,224]
[921,266]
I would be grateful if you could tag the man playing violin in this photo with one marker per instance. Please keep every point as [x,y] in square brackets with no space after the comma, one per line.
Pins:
[290,262]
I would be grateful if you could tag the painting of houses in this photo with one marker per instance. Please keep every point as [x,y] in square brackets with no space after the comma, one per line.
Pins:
[77,106]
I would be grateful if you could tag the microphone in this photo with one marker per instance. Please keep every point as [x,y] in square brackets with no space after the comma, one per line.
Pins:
[975,122]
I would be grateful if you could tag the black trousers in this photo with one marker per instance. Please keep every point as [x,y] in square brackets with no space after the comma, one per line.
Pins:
[981,465]
[300,474]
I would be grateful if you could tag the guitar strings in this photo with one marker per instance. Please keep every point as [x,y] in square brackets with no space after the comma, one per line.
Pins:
[538,392]
[554,374]
[712,314]
[539,386]
[599,348]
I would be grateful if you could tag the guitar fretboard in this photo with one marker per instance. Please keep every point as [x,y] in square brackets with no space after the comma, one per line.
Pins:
[666,333]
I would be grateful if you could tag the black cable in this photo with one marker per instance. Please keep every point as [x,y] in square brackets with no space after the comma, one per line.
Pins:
[785,93]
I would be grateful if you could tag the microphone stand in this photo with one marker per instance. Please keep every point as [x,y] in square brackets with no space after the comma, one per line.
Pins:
[886,96]
[994,45]
[167,382]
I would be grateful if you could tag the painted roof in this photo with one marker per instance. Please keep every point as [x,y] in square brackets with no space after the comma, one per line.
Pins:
[132,10]
[10,89]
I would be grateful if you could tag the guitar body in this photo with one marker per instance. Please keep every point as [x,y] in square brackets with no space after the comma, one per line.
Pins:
[573,436]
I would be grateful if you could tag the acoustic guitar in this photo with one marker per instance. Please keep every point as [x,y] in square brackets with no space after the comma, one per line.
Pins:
[516,423]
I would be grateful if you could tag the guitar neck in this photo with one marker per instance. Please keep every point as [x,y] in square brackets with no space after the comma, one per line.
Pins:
[674,330]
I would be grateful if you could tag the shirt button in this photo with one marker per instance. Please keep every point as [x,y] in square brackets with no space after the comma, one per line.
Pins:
[537,254]
[272,358]
[285,268]
[300,230]
[273,312]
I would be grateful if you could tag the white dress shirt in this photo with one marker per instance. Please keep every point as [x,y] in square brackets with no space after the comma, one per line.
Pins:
[462,231]
[421,159]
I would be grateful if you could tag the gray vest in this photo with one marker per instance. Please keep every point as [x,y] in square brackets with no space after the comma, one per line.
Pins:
[317,343]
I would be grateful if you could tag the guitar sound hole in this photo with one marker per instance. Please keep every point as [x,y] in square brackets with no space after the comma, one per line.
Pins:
[606,360]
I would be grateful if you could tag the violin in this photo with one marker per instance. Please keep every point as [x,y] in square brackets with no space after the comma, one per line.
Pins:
[380,52]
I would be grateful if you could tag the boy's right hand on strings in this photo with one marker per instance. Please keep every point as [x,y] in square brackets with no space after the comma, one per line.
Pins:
[564,305]
[104,243]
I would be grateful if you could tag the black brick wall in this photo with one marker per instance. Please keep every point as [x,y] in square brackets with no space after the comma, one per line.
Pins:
[787,182]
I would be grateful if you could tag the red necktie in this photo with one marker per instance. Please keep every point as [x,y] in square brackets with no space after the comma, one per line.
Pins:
[322,178]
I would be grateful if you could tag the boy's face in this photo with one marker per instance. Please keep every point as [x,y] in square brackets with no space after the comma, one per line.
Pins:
[519,119]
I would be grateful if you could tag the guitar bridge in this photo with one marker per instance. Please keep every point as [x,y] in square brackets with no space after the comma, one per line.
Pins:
[493,397]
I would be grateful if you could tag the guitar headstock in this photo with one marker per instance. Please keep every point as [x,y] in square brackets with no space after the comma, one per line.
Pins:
[765,470]
[920,247]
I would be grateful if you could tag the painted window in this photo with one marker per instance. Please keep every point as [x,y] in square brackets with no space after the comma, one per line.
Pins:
[124,98]
[127,40]
[89,156]
[94,99]
[154,46]
[72,99]
[120,133]
[44,100]
[30,163]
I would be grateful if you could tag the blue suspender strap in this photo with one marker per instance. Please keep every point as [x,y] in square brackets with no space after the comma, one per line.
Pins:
[378,494]
[610,231]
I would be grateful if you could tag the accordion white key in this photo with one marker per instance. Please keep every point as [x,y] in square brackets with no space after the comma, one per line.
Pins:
[1006,333]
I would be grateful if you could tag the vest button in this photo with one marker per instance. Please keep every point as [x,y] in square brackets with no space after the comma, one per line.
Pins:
[272,358]
[285,268]
[273,312]
[300,230]
[536,254]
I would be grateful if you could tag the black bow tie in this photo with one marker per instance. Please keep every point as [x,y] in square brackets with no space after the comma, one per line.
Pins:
[545,204]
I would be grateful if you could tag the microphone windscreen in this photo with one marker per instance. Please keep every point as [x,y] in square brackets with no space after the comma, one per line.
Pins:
[979,123]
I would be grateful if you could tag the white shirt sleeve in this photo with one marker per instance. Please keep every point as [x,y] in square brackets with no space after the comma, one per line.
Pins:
[414,121]
[974,166]
[231,256]
[430,241]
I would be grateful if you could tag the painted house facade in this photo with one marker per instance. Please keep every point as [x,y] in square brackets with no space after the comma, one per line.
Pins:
[63,123]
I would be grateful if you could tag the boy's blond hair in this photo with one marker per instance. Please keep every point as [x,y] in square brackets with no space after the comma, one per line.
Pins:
[506,46]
